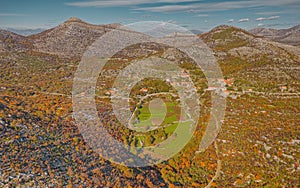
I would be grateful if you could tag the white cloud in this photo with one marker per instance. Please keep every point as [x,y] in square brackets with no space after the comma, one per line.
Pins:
[114,3]
[230,21]
[260,19]
[220,6]
[269,18]
[244,20]
[202,15]
[268,13]
[11,14]
[273,17]
[172,21]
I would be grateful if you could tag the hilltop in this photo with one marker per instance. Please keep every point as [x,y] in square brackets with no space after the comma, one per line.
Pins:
[41,145]
[10,41]
[231,40]
[68,40]
[248,56]
[71,38]
[289,36]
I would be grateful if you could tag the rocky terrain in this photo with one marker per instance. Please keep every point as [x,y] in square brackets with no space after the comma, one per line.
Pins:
[231,43]
[13,42]
[41,146]
[25,32]
[70,39]
[289,36]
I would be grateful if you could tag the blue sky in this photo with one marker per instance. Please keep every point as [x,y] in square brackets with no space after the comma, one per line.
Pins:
[193,14]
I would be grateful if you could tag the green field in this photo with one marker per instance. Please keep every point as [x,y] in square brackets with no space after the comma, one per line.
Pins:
[161,114]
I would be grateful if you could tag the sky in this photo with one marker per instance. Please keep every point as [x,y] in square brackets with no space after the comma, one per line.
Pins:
[200,15]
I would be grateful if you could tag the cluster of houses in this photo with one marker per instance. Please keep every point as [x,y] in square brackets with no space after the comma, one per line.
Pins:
[221,87]
[182,80]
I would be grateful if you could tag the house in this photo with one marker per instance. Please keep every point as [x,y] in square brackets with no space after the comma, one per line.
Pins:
[211,88]
[283,88]
[225,93]
[185,74]
[144,90]
[229,81]
[110,92]
[221,82]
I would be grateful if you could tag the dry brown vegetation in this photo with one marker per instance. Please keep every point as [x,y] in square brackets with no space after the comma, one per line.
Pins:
[258,146]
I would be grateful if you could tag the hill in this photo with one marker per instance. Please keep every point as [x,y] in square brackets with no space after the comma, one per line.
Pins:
[25,32]
[289,36]
[13,42]
[40,144]
[254,57]
[70,38]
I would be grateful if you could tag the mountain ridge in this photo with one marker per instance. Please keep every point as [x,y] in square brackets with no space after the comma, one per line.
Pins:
[71,38]
[43,145]
[289,36]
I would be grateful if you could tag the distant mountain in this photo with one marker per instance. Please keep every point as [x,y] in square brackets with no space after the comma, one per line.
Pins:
[253,60]
[228,40]
[25,32]
[71,38]
[10,41]
[196,32]
[258,145]
[288,36]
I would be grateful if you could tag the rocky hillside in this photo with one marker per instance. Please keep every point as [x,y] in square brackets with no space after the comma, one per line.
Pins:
[70,38]
[288,36]
[10,41]
[41,145]
[253,59]
[227,40]
[25,32]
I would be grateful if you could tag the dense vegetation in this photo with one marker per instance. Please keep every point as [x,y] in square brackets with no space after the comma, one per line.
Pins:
[257,146]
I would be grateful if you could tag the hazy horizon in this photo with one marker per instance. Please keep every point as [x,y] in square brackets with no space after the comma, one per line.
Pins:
[200,15]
